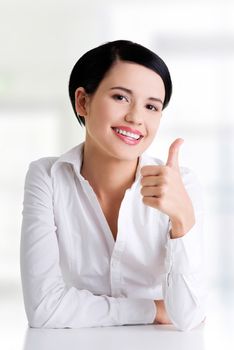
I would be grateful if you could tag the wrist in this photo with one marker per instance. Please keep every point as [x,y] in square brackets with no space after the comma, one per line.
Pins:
[179,227]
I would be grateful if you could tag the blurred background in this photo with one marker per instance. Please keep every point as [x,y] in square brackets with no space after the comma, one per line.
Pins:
[40,43]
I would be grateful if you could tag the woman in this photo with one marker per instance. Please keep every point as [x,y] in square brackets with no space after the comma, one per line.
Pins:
[110,235]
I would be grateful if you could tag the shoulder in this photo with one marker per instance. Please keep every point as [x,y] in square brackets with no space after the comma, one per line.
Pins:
[43,169]
[193,187]
[187,174]
[44,162]
[38,174]
[189,177]
[42,165]
[147,159]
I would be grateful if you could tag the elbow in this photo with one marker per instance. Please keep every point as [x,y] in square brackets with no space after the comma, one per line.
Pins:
[182,319]
[36,319]
[40,316]
[187,322]
[46,311]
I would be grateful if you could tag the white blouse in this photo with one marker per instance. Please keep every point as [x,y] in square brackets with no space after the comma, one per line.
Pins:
[74,274]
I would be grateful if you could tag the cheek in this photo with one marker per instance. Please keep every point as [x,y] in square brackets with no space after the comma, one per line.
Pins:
[105,110]
[153,126]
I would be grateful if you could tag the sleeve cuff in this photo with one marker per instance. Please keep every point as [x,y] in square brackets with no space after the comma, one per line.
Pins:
[136,311]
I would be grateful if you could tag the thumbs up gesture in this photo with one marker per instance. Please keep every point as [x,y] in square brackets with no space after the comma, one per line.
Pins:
[163,189]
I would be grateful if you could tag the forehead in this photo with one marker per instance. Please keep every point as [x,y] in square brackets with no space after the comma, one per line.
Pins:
[135,77]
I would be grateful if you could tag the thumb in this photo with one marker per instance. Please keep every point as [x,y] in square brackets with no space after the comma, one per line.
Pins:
[173,154]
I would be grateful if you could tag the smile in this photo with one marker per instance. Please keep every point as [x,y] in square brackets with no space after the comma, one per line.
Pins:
[127,133]
[129,136]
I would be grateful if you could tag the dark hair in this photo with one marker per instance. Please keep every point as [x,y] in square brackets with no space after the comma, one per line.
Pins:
[91,68]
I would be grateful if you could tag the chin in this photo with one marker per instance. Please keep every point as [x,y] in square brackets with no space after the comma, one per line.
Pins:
[123,151]
[128,154]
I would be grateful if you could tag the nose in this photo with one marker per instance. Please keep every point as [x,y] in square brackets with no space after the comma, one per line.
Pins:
[134,116]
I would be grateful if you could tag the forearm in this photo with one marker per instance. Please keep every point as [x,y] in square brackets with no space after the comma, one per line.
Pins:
[73,308]
[184,290]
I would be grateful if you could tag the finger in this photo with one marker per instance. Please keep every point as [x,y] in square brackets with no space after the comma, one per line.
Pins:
[151,170]
[152,180]
[153,191]
[173,154]
[151,201]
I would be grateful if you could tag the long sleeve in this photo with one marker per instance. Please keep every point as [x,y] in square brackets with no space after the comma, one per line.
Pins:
[184,287]
[49,302]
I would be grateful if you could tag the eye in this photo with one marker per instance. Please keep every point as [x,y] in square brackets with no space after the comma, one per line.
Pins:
[119,97]
[152,108]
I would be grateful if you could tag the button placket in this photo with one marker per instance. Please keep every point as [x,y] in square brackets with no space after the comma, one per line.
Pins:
[115,271]
[115,268]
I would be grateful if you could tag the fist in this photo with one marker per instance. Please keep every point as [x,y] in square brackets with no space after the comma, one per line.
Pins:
[163,189]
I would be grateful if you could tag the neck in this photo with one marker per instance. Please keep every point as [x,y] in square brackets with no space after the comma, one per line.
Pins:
[108,176]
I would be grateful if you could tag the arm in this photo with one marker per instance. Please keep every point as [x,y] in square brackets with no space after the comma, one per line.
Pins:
[184,288]
[179,196]
[49,302]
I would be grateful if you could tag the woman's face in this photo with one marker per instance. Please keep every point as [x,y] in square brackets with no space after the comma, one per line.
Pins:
[123,115]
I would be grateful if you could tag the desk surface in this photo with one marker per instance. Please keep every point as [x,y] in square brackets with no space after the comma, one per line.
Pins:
[139,337]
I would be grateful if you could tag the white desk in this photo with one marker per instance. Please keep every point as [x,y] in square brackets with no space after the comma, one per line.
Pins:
[141,337]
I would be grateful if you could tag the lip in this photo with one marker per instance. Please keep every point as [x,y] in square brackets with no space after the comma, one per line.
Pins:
[127,128]
[126,139]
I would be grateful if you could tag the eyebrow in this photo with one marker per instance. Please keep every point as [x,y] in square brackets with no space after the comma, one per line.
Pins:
[130,92]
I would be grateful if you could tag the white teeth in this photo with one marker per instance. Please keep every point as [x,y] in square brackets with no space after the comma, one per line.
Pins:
[127,133]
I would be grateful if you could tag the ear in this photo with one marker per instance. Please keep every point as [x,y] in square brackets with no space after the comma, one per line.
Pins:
[81,101]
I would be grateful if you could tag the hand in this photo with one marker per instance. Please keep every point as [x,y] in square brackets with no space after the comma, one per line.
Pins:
[163,189]
[161,314]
